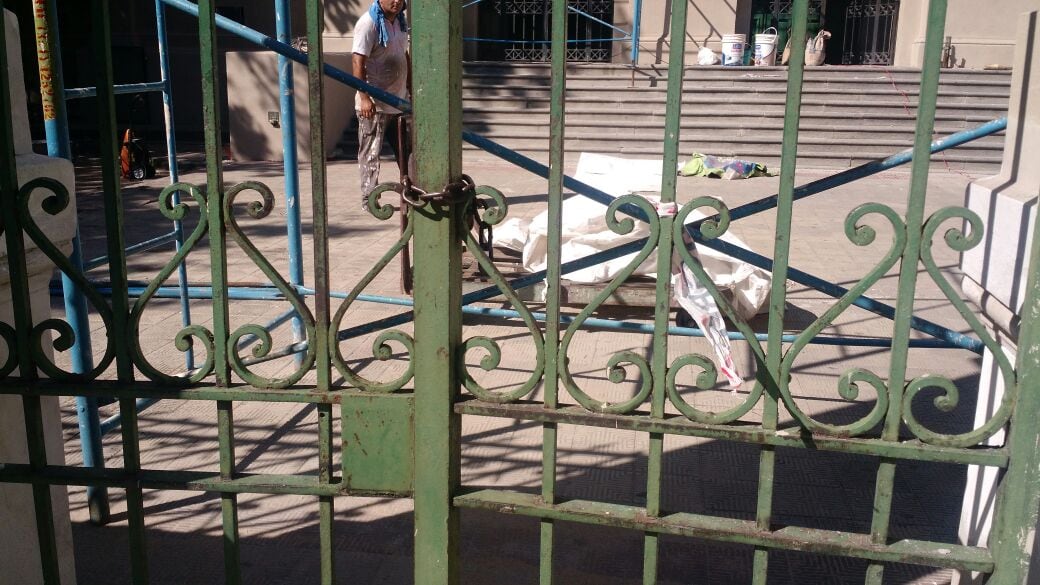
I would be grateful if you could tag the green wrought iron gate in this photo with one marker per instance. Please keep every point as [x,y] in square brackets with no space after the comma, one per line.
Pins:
[403,436]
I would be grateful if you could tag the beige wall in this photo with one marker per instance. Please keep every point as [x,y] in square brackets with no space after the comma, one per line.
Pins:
[253,93]
[707,21]
[981,36]
[340,16]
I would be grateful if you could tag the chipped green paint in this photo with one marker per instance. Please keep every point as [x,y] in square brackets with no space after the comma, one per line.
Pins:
[378,443]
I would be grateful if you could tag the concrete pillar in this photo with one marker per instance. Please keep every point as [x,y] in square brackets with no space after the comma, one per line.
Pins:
[19,552]
[994,271]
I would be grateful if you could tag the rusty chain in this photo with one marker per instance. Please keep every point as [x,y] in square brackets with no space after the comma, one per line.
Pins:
[456,191]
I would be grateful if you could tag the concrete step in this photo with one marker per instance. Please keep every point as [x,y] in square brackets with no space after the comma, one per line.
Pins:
[646,72]
[836,77]
[848,113]
[822,123]
[955,119]
[883,143]
[864,93]
[894,140]
[771,106]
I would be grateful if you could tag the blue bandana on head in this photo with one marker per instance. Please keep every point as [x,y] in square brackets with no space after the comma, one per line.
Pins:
[379,17]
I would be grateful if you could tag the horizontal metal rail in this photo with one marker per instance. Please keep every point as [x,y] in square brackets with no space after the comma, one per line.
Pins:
[116,420]
[535,42]
[86,92]
[640,421]
[792,437]
[744,532]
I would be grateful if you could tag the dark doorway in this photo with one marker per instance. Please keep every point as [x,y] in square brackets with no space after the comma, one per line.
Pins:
[863,32]
[520,30]
[867,35]
[777,14]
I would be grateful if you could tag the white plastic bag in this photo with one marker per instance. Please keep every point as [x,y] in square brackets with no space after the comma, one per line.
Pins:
[707,57]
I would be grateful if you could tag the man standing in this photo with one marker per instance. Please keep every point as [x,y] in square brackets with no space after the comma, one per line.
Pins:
[381,59]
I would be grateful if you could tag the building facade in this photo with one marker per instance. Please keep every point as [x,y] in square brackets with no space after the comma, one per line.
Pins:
[864,32]
[873,32]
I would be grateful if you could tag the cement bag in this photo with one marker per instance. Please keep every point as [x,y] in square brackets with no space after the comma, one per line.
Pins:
[815,50]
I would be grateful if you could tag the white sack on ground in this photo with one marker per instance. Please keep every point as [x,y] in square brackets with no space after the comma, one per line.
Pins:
[585,232]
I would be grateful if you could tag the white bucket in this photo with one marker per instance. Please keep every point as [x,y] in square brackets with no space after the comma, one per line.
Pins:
[733,49]
[765,48]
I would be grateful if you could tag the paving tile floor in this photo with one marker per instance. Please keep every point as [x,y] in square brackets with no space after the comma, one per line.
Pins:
[373,536]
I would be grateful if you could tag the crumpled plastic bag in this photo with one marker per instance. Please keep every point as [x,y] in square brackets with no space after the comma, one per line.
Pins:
[717,167]
[707,57]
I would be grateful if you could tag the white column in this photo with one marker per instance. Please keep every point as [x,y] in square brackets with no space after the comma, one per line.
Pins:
[994,272]
[19,551]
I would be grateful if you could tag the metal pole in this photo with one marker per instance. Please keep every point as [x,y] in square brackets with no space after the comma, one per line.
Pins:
[437,63]
[637,17]
[287,121]
[56,126]
[171,157]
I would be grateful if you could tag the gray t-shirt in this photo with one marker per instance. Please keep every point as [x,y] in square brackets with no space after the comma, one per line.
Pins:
[387,67]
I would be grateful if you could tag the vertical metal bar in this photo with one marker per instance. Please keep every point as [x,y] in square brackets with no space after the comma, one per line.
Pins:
[326,509]
[637,18]
[23,319]
[109,147]
[218,266]
[287,121]
[437,67]
[171,156]
[908,273]
[778,294]
[663,306]
[557,127]
[228,502]
[320,222]
[55,123]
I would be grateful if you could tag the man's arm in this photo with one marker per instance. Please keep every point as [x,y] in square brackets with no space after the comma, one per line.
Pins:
[367,106]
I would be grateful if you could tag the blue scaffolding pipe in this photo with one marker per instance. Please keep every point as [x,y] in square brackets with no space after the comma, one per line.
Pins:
[868,169]
[238,293]
[269,293]
[637,17]
[520,42]
[81,355]
[648,328]
[86,92]
[139,247]
[287,114]
[598,21]
[611,324]
[113,422]
[171,155]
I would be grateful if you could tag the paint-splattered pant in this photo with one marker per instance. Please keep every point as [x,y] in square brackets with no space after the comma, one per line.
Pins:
[370,144]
